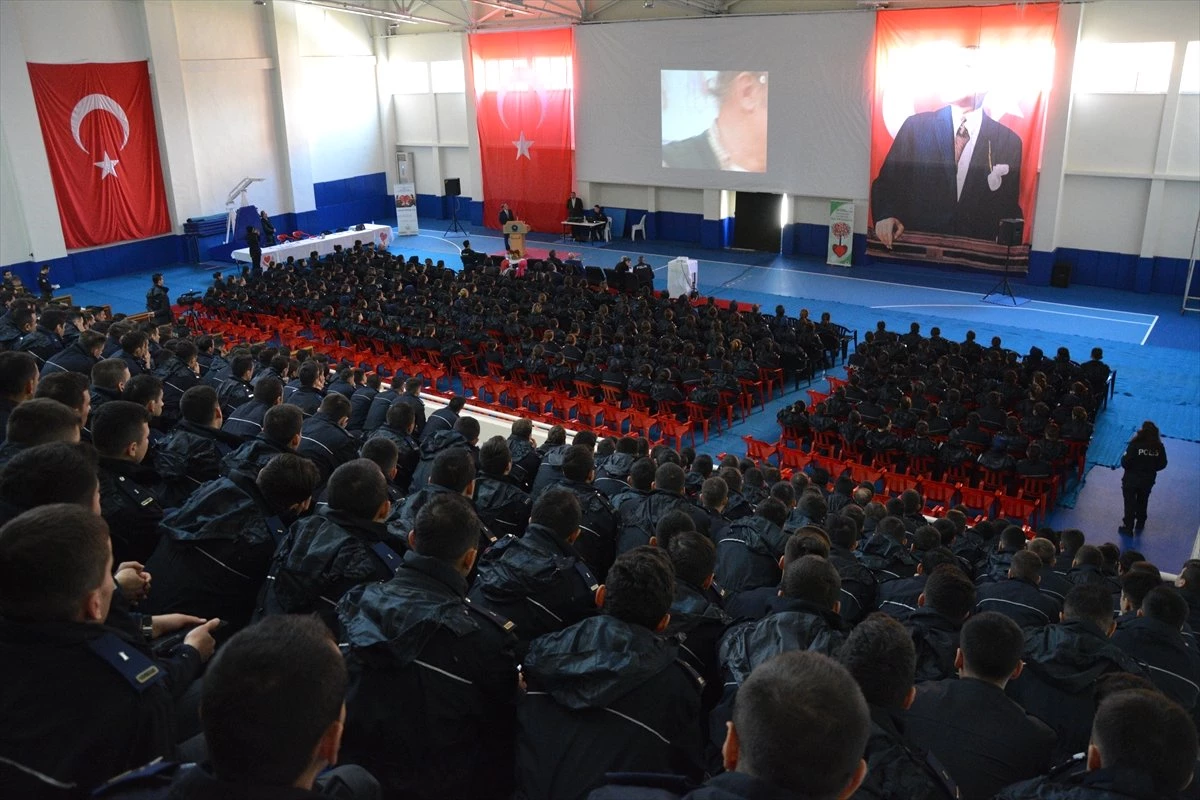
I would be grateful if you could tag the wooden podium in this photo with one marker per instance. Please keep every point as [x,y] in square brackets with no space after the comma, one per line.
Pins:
[516,230]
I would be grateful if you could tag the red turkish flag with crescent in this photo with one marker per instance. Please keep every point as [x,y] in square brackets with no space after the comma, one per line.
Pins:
[524,104]
[98,125]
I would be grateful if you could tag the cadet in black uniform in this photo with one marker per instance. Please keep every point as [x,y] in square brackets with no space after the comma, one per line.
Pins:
[499,499]
[1143,460]
[418,647]
[273,701]
[610,694]
[80,701]
[538,580]
[215,548]
[121,434]
[343,545]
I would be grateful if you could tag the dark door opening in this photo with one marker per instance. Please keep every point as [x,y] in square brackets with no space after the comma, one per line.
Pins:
[756,222]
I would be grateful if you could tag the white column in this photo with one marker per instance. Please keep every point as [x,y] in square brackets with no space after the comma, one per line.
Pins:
[23,136]
[289,73]
[171,112]
[1058,123]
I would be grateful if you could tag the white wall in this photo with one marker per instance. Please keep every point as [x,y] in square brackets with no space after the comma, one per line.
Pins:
[340,94]
[14,239]
[1131,175]
[437,126]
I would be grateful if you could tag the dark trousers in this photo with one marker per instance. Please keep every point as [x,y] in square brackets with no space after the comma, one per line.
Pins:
[1136,498]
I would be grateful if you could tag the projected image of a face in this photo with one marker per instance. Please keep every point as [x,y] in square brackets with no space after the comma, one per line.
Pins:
[714,120]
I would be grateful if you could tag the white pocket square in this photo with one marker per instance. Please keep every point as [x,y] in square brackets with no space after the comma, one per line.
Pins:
[996,176]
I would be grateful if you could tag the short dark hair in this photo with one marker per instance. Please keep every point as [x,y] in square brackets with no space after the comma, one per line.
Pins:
[693,555]
[40,421]
[1166,605]
[713,492]
[1145,732]
[669,478]
[308,373]
[880,654]
[51,557]
[803,543]
[1012,539]
[453,468]
[107,374]
[893,528]
[813,506]
[383,452]
[578,462]
[558,509]
[1026,565]
[640,586]
[1072,539]
[335,406]
[773,510]
[1091,602]
[446,528]
[198,405]
[287,479]
[843,531]
[133,341]
[281,423]
[58,472]
[116,425]
[67,388]
[813,579]
[522,427]
[17,368]
[494,457]
[992,645]
[269,695]
[802,723]
[1136,584]
[468,427]
[950,592]
[142,389]
[641,474]
[358,488]
[239,365]
[400,416]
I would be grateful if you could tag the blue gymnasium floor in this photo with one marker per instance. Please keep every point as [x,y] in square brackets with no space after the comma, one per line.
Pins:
[1154,349]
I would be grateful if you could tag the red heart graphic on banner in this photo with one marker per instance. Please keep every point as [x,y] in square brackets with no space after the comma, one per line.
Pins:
[839,250]
[267,259]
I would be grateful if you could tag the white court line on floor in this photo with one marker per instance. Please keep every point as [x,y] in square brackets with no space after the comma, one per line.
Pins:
[1148,330]
[1023,307]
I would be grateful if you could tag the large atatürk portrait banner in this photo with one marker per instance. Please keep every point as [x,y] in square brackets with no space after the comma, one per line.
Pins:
[956,132]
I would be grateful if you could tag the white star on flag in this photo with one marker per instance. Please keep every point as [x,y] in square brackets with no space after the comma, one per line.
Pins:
[107,167]
[523,146]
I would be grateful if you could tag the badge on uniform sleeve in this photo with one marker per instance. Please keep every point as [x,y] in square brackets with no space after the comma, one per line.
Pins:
[133,665]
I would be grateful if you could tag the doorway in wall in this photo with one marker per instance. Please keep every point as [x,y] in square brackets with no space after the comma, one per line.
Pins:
[757,222]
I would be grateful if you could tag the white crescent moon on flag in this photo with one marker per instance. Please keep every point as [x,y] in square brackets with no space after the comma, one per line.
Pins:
[98,102]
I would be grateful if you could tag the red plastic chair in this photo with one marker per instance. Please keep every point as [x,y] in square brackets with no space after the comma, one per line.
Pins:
[702,416]
[1018,508]
[896,483]
[980,499]
[938,493]
[758,450]
[613,395]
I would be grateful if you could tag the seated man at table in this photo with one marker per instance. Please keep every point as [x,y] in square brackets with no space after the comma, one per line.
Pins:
[597,215]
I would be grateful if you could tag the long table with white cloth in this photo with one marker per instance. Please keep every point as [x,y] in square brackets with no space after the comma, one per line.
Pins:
[381,235]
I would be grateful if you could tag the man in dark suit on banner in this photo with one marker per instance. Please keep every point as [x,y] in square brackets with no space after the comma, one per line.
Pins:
[952,171]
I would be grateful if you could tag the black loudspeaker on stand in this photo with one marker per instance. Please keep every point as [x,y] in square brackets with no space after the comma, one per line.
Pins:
[453,189]
[1009,234]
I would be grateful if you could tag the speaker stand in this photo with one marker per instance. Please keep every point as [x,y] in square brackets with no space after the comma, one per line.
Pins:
[454,226]
[1002,293]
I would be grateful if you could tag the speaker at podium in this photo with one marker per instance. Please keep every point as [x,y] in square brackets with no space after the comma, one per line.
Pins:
[516,229]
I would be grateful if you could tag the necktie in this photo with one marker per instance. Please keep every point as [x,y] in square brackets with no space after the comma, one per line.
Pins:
[961,137]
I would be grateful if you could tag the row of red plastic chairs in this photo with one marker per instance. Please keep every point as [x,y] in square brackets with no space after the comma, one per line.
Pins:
[1033,498]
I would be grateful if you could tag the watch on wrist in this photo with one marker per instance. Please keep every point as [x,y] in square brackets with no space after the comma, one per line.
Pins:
[148,627]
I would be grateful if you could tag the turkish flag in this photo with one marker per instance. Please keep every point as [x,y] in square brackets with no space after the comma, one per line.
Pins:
[524,103]
[98,125]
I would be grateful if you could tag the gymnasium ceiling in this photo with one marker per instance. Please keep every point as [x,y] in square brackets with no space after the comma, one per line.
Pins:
[404,17]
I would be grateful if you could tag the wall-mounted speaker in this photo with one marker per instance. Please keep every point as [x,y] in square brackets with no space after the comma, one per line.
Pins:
[453,187]
[1011,231]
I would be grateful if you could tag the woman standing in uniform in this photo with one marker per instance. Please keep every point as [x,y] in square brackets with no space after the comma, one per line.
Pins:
[1143,460]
